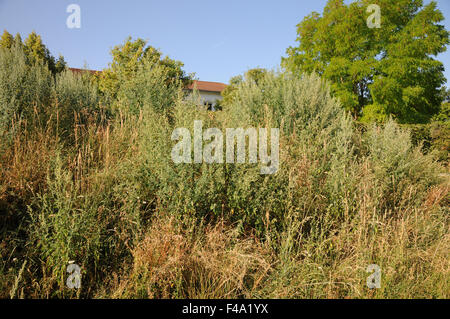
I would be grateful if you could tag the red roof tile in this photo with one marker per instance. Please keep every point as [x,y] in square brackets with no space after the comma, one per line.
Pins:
[207,86]
[75,70]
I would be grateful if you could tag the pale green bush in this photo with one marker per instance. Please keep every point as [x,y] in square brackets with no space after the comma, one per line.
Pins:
[320,159]
[77,100]
[313,125]
[401,171]
[30,93]
[149,87]
[24,90]
[94,227]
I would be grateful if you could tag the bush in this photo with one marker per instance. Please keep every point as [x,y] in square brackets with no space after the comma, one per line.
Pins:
[402,172]
[30,94]
[77,101]
[433,138]
[25,91]
[84,217]
[150,87]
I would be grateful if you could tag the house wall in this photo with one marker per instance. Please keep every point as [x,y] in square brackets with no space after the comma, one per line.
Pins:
[208,97]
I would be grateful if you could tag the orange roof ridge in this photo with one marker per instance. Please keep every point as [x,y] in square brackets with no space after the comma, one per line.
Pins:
[207,86]
[77,70]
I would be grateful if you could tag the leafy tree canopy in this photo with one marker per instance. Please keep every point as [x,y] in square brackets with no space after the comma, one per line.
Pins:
[128,58]
[34,49]
[255,75]
[376,72]
[7,40]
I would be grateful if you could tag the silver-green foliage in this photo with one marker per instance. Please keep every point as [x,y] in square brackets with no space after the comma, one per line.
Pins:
[322,157]
[31,93]
[312,123]
[151,86]
[24,89]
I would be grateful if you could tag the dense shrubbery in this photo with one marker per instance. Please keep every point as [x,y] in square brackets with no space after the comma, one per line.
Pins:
[434,137]
[108,196]
[24,89]
[30,95]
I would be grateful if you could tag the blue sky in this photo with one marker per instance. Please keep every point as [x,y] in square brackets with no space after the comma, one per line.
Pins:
[215,39]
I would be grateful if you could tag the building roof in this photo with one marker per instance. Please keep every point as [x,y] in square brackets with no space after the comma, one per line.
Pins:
[207,86]
[75,70]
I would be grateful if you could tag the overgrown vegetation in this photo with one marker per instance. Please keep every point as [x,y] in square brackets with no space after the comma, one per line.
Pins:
[87,177]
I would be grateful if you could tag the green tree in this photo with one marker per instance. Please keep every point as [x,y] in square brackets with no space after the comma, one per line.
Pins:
[376,72]
[7,40]
[35,50]
[255,75]
[444,111]
[127,60]
[18,40]
[60,65]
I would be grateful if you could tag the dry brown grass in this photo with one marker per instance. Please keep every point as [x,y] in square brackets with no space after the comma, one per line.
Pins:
[184,262]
